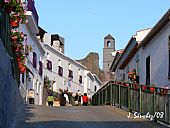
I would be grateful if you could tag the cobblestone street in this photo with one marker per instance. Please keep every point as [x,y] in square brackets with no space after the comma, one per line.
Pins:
[78,117]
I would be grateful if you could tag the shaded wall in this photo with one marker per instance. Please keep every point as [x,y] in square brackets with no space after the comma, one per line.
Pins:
[10,98]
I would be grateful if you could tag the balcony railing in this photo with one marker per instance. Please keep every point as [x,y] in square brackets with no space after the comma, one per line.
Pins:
[31,7]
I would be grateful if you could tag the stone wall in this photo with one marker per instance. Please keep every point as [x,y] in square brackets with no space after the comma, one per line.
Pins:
[10,98]
[91,61]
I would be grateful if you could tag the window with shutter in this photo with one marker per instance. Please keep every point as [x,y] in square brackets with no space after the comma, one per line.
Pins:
[34,60]
[60,71]
[80,79]
[40,68]
[49,65]
[70,75]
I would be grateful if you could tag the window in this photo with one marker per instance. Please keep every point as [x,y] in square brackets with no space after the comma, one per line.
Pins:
[95,88]
[60,71]
[80,79]
[70,74]
[34,61]
[123,76]
[49,65]
[108,43]
[23,78]
[148,70]
[40,68]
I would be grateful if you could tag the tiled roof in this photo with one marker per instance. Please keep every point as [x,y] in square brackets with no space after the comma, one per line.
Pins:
[108,37]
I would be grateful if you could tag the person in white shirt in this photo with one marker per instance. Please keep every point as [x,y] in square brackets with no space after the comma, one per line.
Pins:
[67,99]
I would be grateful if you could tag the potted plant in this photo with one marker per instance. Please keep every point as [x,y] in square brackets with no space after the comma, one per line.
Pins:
[132,75]
[17,36]
[14,20]
[22,17]
[22,69]
[144,87]
[135,86]
[163,91]
[152,89]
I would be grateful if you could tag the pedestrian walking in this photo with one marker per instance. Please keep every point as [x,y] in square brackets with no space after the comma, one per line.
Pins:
[85,99]
[76,99]
[67,98]
[50,99]
[62,100]
[79,99]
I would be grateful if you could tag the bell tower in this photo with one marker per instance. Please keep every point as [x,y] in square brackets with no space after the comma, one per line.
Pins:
[109,48]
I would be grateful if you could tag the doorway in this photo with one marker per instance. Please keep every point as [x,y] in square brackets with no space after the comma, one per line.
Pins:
[148,70]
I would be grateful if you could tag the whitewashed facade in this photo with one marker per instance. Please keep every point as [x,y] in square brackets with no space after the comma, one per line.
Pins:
[91,83]
[157,50]
[62,81]
[151,57]
[33,80]
[85,84]
[121,72]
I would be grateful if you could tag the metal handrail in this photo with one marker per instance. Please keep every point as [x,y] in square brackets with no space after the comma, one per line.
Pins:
[135,99]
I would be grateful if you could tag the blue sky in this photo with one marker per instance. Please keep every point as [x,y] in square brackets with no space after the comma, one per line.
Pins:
[85,23]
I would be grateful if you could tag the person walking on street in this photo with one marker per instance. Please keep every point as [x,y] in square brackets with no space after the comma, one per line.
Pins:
[62,100]
[67,98]
[50,99]
[85,99]
[76,98]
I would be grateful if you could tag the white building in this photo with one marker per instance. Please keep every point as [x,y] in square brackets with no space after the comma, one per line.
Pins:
[33,79]
[126,60]
[65,72]
[148,53]
[155,60]
[91,83]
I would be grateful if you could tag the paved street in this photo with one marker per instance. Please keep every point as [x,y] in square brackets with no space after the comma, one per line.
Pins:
[79,117]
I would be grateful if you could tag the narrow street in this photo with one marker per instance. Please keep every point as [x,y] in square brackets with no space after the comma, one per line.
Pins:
[79,117]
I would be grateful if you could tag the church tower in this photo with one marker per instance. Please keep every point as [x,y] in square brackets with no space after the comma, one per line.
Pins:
[109,48]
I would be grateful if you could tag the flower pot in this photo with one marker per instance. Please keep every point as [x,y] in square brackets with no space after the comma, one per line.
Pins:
[135,86]
[164,92]
[14,24]
[18,59]
[14,39]
[20,66]
[17,49]
[144,88]
[23,69]
[152,89]
[127,84]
